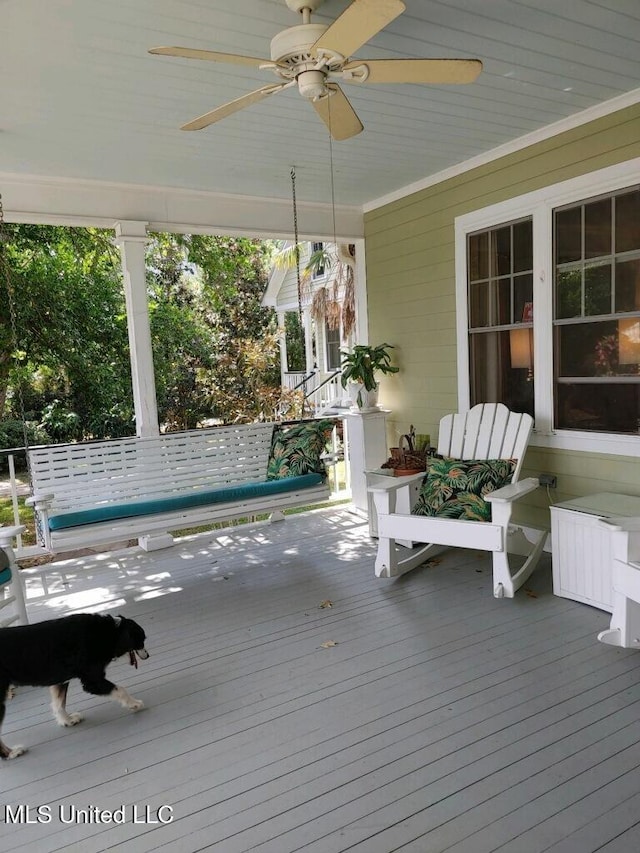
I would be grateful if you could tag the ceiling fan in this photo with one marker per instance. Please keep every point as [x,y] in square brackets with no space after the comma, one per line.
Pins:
[310,56]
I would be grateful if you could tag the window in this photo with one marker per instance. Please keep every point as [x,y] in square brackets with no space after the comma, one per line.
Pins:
[548,309]
[500,280]
[317,249]
[597,314]
[333,347]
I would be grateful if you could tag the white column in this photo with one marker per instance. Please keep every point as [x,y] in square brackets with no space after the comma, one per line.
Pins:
[367,441]
[308,339]
[131,237]
[282,342]
[360,282]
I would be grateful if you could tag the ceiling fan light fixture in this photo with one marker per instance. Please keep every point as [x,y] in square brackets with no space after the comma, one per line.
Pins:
[312,84]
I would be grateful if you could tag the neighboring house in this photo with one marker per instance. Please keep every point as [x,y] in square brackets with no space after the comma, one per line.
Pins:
[517,279]
[326,303]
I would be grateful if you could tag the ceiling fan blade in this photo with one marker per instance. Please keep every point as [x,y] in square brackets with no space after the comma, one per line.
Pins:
[233,106]
[338,114]
[417,70]
[359,22]
[210,55]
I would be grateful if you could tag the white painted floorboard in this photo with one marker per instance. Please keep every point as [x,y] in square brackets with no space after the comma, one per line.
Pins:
[441,720]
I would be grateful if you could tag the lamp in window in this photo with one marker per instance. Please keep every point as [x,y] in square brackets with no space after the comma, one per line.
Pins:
[629,340]
[521,350]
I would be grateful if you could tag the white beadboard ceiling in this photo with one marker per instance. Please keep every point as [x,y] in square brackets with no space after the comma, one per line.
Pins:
[82,98]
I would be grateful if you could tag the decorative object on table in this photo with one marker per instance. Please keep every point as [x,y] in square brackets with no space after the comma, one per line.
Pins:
[360,368]
[410,459]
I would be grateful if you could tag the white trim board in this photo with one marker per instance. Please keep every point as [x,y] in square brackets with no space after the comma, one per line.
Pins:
[71,201]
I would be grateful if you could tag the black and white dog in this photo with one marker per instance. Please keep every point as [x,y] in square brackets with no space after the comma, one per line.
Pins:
[49,654]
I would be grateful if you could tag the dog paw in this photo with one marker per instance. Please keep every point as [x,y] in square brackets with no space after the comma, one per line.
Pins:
[136,705]
[69,719]
[16,751]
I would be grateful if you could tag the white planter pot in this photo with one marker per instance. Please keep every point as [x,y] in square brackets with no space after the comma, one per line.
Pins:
[361,399]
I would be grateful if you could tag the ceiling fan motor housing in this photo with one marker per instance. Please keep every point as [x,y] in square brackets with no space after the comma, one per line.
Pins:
[292,46]
[291,53]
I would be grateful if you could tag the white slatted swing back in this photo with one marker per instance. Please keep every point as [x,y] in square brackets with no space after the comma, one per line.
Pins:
[129,469]
[487,431]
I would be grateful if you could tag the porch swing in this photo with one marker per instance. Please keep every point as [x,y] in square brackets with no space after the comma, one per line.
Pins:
[111,491]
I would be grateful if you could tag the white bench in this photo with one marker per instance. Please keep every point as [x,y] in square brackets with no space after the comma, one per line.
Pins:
[96,493]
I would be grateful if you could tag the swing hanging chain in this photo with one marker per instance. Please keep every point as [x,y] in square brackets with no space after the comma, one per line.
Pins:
[6,277]
[297,252]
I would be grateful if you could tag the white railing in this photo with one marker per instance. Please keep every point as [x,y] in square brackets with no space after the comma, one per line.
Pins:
[321,390]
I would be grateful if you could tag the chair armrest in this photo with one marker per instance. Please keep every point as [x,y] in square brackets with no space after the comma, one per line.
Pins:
[7,534]
[513,491]
[40,500]
[397,483]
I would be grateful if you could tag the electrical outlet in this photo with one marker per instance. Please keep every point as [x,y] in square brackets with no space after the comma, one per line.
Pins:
[548,480]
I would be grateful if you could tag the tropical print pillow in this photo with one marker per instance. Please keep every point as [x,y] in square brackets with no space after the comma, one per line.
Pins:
[455,488]
[297,449]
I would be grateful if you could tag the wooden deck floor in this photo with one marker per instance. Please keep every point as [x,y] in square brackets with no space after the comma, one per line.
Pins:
[441,720]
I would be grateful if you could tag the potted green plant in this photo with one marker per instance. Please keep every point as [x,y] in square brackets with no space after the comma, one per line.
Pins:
[360,368]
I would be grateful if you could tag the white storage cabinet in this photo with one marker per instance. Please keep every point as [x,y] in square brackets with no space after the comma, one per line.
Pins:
[581,546]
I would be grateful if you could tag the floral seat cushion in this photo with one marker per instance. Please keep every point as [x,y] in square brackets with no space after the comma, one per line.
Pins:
[297,449]
[455,488]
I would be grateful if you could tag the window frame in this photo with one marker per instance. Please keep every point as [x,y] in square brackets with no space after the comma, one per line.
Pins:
[540,205]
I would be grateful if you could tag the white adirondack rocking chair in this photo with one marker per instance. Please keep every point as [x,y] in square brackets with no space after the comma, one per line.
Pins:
[487,431]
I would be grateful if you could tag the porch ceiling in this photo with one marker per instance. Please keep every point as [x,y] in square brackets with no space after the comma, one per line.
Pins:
[82,98]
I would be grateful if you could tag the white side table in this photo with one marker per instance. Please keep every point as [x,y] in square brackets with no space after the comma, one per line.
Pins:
[581,547]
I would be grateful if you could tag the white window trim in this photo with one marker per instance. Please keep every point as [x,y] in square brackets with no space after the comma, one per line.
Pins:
[539,205]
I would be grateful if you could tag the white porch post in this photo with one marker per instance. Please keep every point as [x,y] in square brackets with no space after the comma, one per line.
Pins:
[308,339]
[131,237]
[281,315]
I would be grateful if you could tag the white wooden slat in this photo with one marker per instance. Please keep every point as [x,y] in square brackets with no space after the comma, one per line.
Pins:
[473,420]
[501,419]
[486,430]
[445,435]
[445,531]
[512,437]
[455,439]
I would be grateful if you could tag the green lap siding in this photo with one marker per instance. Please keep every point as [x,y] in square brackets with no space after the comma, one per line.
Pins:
[410,265]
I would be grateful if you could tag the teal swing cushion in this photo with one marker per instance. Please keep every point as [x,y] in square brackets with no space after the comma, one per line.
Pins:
[226,494]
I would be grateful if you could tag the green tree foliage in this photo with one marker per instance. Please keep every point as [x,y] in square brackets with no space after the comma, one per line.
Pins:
[245,385]
[72,349]
[215,347]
